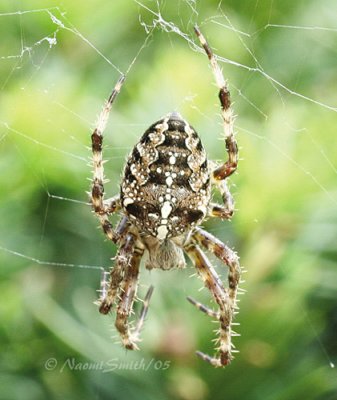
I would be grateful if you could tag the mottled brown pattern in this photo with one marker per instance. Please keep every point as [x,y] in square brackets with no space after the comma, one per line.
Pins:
[167,165]
[165,194]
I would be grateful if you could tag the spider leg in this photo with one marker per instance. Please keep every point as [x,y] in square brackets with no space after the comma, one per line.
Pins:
[112,205]
[129,338]
[220,295]
[117,274]
[225,210]
[101,208]
[128,288]
[220,211]
[226,255]
[144,310]
[230,165]
[204,309]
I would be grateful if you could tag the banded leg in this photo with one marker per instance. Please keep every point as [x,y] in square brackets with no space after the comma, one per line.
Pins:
[127,295]
[143,312]
[230,165]
[101,209]
[117,273]
[112,205]
[227,210]
[220,295]
[226,255]
[208,311]
[219,211]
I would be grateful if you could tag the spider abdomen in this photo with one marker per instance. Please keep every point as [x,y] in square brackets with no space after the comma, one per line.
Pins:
[166,185]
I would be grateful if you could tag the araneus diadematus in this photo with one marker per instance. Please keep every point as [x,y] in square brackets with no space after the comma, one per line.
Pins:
[164,195]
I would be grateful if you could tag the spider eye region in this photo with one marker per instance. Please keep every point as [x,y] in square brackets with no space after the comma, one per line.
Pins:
[166,185]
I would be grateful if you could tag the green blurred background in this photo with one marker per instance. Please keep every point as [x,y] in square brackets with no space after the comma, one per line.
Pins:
[56,69]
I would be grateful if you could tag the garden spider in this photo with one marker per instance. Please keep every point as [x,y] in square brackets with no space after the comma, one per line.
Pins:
[164,196]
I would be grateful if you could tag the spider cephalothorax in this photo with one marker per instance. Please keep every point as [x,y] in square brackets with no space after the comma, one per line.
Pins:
[165,194]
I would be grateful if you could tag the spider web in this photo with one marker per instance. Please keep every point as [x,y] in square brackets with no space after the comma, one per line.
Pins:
[35,71]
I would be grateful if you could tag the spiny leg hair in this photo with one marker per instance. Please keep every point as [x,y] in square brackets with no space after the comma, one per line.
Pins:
[230,165]
[128,289]
[225,298]
[226,210]
[123,276]
[224,254]
[122,287]
[103,209]
[117,274]
[224,316]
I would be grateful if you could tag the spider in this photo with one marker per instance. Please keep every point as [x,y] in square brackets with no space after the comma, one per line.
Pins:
[165,194]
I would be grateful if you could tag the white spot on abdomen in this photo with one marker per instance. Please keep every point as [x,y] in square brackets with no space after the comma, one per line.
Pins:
[172,160]
[166,209]
[162,232]
[127,201]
